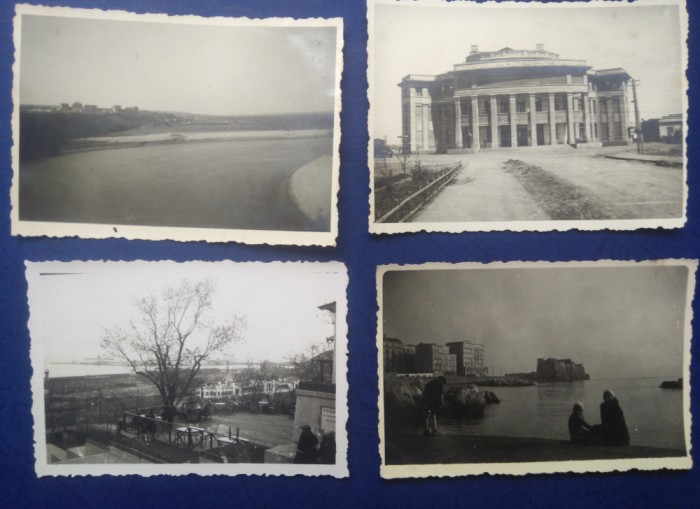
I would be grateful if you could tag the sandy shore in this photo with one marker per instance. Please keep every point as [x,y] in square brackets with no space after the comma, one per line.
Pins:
[310,187]
[135,140]
[406,449]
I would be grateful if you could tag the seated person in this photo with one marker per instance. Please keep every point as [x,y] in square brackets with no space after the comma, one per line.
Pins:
[580,432]
[614,427]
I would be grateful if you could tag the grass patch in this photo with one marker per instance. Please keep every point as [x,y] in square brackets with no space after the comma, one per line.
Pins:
[559,198]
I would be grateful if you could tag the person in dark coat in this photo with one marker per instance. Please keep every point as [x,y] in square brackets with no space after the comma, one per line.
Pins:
[433,401]
[613,425]
[307,447]
[326,452]
[580,432]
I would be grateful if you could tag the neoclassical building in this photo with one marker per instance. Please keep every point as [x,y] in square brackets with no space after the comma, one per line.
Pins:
[515,98]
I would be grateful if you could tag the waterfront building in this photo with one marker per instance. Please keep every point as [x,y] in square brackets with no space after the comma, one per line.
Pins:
[398,358]
[470,358]
[560,370]
[432,358]
[514,98]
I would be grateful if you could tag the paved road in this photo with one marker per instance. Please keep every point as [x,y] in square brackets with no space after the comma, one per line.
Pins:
[265,429]
[484,191]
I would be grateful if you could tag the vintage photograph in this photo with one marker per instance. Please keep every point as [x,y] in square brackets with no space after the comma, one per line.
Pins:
[534,367]
[212,368]
[527,116]
[184,128]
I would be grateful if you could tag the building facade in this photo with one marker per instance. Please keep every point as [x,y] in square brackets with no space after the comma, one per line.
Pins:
[398,358]
[432,358]
[560,370]
[470,358]
[514,98]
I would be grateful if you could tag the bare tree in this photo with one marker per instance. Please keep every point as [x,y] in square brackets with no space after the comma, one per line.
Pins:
[172,337]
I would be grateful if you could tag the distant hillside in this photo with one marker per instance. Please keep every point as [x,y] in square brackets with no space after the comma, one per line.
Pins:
[43,133]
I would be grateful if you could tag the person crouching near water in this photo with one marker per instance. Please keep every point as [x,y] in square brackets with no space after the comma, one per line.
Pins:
[613,425]
[580,432]
[433,401]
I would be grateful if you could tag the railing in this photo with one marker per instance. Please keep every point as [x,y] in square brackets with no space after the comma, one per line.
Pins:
[408,207]
[182,435]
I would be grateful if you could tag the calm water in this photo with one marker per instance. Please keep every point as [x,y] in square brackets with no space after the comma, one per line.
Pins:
[238,184]
[654,416]
[59,370]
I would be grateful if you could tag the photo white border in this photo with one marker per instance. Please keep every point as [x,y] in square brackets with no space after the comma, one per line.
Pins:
[550,467]
[182,234]
[337,470]
[521,226]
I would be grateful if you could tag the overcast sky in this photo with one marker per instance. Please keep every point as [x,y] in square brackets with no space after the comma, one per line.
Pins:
[619,322]
[71,307]
[206,69]
[420,39]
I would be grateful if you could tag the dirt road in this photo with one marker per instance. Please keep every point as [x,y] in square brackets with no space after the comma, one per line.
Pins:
[489,190]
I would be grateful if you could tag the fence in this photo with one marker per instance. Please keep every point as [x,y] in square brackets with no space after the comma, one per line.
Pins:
[408,207]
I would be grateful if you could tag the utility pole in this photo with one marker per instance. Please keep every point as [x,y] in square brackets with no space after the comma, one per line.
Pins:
[637,125]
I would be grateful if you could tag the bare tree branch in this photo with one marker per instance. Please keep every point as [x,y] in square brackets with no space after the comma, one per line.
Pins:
[172,338]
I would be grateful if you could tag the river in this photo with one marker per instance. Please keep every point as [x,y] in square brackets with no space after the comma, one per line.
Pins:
[234,184]
[654,416]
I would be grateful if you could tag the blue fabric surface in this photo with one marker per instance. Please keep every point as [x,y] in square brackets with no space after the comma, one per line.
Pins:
[362,253]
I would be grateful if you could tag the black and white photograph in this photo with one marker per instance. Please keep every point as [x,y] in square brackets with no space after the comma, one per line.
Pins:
[534,367]
[527,116]
[148,126]
[211,368]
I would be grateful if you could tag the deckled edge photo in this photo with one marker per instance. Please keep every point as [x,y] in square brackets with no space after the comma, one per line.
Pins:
[524,468]
[130,231]
[404,217]
[175,270]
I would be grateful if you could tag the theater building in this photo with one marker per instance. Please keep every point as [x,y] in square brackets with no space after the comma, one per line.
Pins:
[515,98]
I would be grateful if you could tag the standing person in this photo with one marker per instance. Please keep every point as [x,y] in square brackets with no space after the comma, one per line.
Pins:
[580,432]
[433,401]
[307,447]
[613,425]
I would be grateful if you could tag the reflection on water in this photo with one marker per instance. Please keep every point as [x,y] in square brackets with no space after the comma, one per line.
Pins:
[654,416]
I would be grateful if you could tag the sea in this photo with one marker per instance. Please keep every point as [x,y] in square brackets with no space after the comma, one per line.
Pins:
[234,184]
[61,369]
[654,416]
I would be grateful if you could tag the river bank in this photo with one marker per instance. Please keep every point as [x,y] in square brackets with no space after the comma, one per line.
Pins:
[411,449]
[310,190]
[140,140]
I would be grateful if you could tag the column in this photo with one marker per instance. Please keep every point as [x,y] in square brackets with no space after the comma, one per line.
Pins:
[475,124]
[426,126]
[570,117]
[587,117]
[623,113]
[493,121]
[533,120]
[458,124]
[512,118]
[552,121]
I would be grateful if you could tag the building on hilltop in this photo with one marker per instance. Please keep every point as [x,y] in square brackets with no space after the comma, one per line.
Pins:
[514,98]
[432,358]
[469,357]
[560,370]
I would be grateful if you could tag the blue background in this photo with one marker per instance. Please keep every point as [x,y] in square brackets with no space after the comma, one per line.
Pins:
[361,252]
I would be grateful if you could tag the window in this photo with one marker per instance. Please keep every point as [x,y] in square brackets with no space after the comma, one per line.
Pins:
[539,105]
[578,103]
[559,102]
[520,106]
[503,106]
[419,91]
